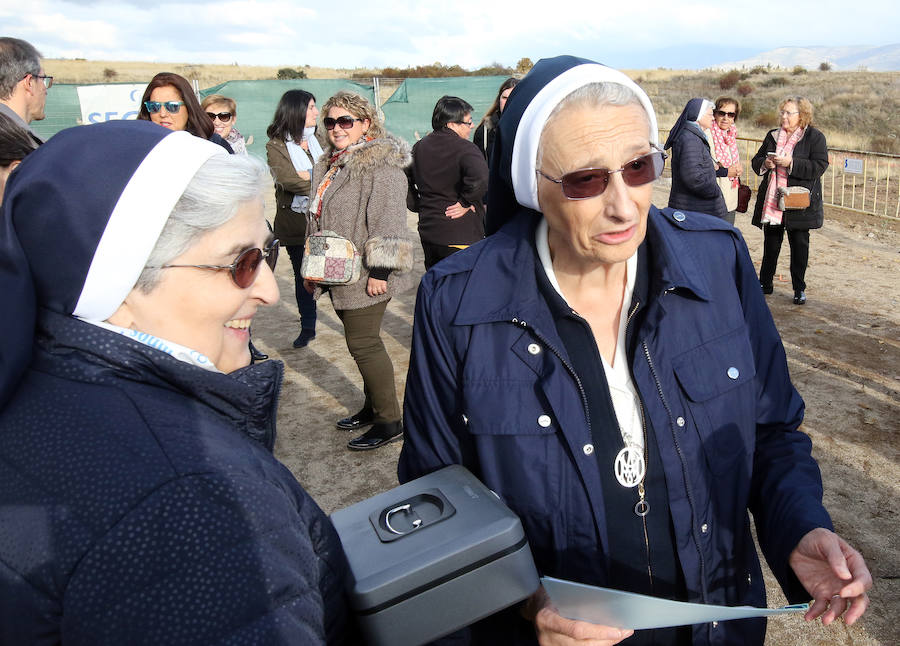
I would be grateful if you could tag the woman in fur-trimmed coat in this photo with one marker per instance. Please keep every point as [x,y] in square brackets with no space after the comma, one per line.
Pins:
[361,194]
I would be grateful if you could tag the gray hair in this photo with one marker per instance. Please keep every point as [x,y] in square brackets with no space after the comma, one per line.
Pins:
[593,95]
[212,198]
[17,58]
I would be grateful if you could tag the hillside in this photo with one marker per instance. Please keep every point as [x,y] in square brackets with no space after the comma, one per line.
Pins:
[876,59]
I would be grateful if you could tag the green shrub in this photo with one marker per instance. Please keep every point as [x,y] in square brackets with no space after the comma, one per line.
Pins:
[798,70]
[288,73]
[759,69]
[729,80]
[824,66]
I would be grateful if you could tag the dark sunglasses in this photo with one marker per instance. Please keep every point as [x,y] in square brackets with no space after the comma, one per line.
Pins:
[245,267]
[171,107]
[722,113]
[224,117]
[344,122]
[590,182]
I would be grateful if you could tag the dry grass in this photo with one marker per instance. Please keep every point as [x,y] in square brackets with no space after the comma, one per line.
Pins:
[855,110]
[84,71]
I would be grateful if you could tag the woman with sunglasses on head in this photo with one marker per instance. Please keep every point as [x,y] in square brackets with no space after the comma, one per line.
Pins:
[796,154]
[359,193]
[725,151]
[139,494]
[169,101]
[484,133]
[222,111]
[291,151]
[612,372]
[694,185]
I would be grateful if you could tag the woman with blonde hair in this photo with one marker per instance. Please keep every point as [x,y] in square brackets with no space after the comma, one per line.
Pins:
[222,111]
[796,154]
[360,194]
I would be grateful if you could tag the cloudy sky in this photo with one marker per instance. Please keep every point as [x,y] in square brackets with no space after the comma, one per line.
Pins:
[351,33]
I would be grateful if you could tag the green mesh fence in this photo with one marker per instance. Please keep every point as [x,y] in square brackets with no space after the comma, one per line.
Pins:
[407,104]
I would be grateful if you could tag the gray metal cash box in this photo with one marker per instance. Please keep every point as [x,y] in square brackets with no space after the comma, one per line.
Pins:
[432,556]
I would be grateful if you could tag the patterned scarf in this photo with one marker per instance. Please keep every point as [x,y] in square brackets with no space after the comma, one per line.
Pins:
[726,149]
[333,169]
[784,146]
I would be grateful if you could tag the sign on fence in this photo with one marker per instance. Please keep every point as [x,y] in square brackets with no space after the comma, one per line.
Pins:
[107,102]
[854,166]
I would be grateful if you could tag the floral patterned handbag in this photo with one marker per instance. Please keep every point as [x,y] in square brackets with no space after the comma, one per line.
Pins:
[330,259]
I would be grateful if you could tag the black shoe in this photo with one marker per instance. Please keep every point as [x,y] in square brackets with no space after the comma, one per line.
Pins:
[256,355]
[304,338]
[378,435]
[360,419]
[799,298]
[767,289]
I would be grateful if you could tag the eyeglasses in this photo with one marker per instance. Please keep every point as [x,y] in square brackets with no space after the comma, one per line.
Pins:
[171,107]
[344,122]
[787,113]
[590,182]
[46,80]
[224,117]
[245,267]
[469,123]
[722,113]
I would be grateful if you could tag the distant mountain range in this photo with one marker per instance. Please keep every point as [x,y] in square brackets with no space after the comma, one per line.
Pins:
[876,59]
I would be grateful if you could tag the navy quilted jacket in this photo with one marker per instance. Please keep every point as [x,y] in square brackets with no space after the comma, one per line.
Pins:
[140,504]
[694,186]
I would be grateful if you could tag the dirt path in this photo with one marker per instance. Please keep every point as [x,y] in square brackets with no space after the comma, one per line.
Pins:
[843,348]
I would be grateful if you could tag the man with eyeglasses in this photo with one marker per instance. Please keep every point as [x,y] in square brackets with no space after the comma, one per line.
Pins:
[448,180]
[23,84]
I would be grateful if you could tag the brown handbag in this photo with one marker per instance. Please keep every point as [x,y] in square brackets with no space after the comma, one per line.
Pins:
[793,197]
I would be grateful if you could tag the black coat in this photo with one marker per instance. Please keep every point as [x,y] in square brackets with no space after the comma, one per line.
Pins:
[140,504]
[810,162]
[447,169]
[694,186]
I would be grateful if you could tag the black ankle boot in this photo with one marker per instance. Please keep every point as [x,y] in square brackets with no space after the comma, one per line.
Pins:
[363,418]
[304,338]
[256,355]
[800,298]
[379,435]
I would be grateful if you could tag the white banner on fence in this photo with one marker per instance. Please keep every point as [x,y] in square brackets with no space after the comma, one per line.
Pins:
[854,166]
[109,102]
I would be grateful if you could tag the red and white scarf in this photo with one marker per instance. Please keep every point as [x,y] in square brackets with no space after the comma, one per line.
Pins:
[784,146]
[725,148]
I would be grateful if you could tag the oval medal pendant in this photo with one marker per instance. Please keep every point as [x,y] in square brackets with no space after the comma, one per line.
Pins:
[629,466]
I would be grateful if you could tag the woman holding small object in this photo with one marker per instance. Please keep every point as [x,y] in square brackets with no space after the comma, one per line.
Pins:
[796,154]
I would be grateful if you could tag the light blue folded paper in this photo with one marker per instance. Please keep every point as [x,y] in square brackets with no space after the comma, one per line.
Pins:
[637,611]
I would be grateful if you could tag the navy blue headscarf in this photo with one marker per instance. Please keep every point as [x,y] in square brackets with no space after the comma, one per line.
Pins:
[80,217]
[513,183]
[690,114]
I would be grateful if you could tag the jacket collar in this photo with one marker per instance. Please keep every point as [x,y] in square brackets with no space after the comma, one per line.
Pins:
[507,261]
[246,398]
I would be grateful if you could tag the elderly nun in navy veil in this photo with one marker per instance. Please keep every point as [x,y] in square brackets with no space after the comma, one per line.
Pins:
[612,372]
[140,502]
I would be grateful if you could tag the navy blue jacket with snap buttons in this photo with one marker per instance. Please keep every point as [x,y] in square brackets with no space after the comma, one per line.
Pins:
[490,387]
